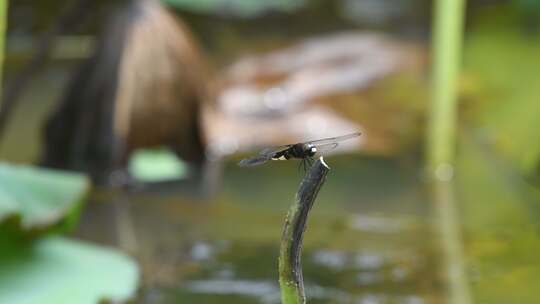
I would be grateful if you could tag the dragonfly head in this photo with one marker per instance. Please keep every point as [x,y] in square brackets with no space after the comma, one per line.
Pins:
[311,150]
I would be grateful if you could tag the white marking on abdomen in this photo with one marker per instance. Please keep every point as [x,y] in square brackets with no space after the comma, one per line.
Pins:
[282,157]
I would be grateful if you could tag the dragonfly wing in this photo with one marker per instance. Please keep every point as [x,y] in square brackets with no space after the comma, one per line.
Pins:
[269,152]
[263,156]
[327,147]
[333,140]
[253,161]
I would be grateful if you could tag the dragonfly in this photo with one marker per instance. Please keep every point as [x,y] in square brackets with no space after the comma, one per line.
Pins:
[304,151]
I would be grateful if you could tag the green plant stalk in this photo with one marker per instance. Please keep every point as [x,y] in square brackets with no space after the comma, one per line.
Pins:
[448,227]
[3,24]
[290,271]
[447,39]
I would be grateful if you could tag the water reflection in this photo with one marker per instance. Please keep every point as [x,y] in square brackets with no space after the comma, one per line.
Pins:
[202,251]
[266,291]
[379,224]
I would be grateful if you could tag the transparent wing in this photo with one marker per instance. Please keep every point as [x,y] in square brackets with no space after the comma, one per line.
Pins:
[333,140]
[269,152]
[253,161]
[264,156]
[321,149]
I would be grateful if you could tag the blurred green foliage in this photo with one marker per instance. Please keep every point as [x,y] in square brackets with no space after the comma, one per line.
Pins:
[55,270]
[156,165]
[528,4]
[48,269]
[39,198]
[503,60]
[500,219]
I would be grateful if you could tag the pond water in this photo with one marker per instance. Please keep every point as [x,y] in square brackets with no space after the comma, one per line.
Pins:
[369,237]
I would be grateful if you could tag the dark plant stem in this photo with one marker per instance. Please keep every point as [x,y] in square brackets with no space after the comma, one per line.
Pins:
[73,16]
[290,270]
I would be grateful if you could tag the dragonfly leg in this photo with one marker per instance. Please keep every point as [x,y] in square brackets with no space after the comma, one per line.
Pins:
[309,161]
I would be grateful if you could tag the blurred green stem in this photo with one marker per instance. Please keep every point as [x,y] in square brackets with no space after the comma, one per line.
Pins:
[447,38]
[290,270]
[447,41]
[448,226]
[3,22]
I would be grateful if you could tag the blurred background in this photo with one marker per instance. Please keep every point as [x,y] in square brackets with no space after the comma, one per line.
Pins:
[122,122]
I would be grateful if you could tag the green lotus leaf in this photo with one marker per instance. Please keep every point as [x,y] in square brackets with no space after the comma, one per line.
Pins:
[56,270]
[39,198]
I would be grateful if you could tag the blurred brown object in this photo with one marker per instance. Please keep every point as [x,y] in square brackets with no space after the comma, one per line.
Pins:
[143,87]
